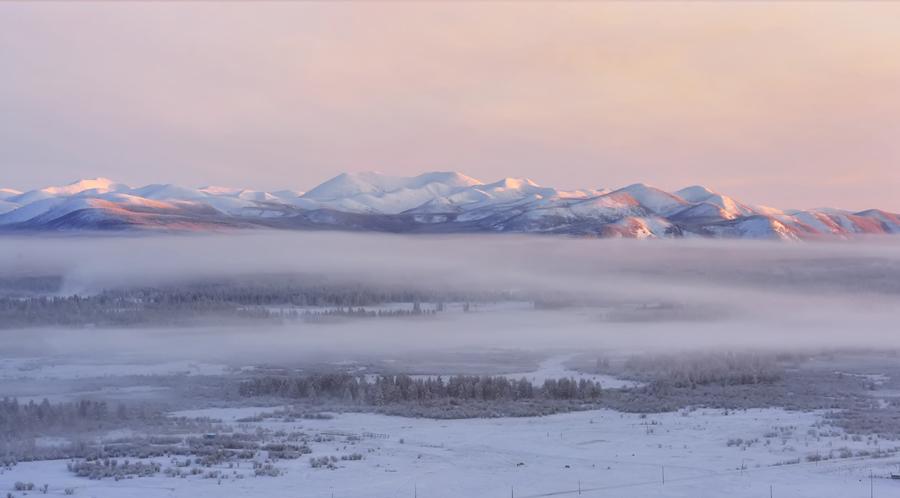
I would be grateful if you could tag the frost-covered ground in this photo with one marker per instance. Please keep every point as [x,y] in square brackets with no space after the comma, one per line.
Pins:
[688,453]
[605,452]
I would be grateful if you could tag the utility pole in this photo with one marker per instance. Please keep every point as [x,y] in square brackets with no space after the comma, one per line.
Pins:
[770,491]
[415,490]
[579,487]
[662,468]
[871,485]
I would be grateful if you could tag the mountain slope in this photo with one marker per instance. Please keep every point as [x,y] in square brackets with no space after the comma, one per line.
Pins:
[439,202]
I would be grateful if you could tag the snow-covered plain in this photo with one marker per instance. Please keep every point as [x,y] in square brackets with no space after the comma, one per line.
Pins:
[688,453]
[679,454]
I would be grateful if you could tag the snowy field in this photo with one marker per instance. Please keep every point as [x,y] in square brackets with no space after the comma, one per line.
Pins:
[604,453]
[680,454]
[686,453]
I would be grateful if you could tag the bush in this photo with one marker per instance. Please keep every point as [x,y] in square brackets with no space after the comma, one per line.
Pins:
[106,468]
[323,462]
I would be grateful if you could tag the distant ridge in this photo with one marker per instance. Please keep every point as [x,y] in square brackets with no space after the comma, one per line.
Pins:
[436,202]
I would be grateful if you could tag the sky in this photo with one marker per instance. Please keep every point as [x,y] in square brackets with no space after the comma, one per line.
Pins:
[794,105]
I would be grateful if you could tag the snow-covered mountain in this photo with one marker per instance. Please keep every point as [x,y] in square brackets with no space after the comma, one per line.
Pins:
[439,202]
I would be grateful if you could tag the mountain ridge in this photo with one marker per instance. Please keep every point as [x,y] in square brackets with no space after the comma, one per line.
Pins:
[434,202]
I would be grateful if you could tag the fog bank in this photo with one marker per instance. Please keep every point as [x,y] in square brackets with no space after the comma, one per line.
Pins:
[757,294]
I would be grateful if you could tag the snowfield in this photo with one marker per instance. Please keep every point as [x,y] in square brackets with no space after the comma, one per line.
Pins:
[606,453]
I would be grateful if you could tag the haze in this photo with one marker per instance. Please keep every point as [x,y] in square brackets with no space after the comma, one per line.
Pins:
[744,294]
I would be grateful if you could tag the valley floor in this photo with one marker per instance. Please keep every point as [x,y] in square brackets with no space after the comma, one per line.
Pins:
[604,452]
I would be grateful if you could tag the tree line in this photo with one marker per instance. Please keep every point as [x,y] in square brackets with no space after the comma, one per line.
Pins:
[223,302]
[697,369]
[389,389]
[18,419]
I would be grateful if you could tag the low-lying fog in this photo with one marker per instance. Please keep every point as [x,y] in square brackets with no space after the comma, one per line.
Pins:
[750,294]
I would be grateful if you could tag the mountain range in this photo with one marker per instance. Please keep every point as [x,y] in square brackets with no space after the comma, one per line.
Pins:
[439,202]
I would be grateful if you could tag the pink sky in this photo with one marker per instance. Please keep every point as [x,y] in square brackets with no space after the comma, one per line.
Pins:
[791,105]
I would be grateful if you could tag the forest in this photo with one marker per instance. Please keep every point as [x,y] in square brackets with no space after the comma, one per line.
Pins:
[26,302]
[390,389]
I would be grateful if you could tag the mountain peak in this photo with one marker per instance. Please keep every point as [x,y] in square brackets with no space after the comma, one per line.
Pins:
[434,202]
[656,200]
[695,193]
[514,183]
[98,183]
[377,183]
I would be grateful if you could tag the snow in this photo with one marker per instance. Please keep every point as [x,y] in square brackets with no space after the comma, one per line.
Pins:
[510,204]
[31,196]
[654,199]
[138,202]
[69,205]
[287,195]
[168,191]
[230,205]
[820,222]
[705,209]
[378,193]
[352,184]
[606,206]
[581,194]
[730,206]
[512,189]
[763,227]
[699,194]
[644,227]
[604,453]
[218,190]
[6,206]
[95,184]
[31,210]
[694,193]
